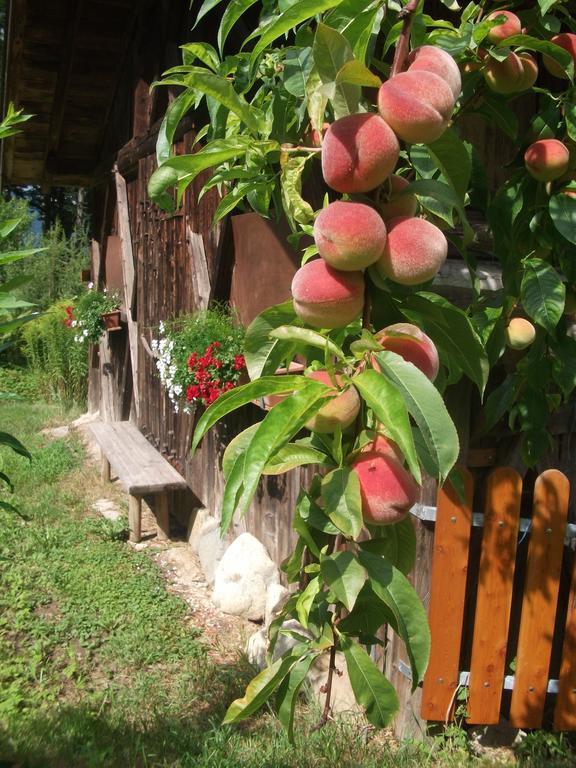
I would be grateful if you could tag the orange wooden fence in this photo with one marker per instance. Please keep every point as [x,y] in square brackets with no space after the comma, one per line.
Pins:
[494,641]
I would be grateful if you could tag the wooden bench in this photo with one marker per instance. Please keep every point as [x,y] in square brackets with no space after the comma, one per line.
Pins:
[141,471]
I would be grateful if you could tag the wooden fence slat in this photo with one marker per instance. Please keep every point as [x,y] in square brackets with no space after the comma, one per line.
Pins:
[447,596]
[565,712]
[550,512]
[495,582]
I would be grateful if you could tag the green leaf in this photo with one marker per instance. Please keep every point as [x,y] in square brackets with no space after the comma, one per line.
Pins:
[427,408]
[371,689]
[280,424]
[296,208]
[234,10]
[9,257]
[529,43]
[305,600]
[293,455]
[389,408]
[450,328]
[232,491]
[498,403]
[309,338]
[331,51]
[263,354]
[297,67]
[204,52]
[12,442]
[174,114]
[453,159]
[288,692]
[260,689]
[542,293]
[222,89]
[206,6]
[239,396]
[562,209]
[343,503]
[236,447]
[445,195]
[395,591]
[8,226]
[344,575]
[356,73]
[288,20]
[314,516]
[397,543]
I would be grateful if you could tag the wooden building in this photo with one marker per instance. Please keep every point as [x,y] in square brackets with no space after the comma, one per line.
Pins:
[84,69]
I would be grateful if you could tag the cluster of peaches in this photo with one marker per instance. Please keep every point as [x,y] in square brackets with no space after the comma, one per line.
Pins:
[519,71]
[359,155]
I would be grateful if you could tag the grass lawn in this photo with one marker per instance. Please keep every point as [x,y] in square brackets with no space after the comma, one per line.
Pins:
[100,665]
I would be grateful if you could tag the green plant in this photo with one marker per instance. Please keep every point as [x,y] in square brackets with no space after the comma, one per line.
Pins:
[58,364]
[88,310]
[299,106]
[200,356]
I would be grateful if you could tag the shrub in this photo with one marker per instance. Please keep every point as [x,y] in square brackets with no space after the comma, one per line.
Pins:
[58,364]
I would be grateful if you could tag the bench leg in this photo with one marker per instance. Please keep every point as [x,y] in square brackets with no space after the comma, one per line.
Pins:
[104,468]
[135,517]
[162,517]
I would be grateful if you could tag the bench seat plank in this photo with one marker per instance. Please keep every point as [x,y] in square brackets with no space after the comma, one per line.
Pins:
[140,468]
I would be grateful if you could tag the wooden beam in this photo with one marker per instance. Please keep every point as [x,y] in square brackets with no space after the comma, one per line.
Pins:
[200,274]
[62,84]
[129,279]
[144,146]
[14,50]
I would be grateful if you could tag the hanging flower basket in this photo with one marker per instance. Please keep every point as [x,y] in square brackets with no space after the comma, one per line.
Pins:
[112,320]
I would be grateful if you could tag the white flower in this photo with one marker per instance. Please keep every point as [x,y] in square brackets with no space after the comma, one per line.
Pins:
[85,332]
[90,285]
[74,323]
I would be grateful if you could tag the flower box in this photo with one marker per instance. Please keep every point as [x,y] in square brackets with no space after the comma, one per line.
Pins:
[112,320]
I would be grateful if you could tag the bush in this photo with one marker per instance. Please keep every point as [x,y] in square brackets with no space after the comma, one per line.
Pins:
[57,362]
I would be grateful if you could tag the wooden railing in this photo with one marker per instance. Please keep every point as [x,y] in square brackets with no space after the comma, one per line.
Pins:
[493,643]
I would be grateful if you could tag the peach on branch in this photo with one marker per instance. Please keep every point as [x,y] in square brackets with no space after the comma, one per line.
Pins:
[507,76]
[511,25]
[388,491]
[413,345]
[547,159]
[396,204]
[349,236]
[530,71]
[379,443]
[340,411]
[567,41]
[417,105]
[326,297]
[415,250]
[432,59]
[358,153]
[520,333]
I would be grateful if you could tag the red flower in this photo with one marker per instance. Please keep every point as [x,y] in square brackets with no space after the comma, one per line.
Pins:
[69,316]
[239,362]
[192,360]
[192,392]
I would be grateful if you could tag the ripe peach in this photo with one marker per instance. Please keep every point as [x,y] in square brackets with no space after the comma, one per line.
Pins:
[520,333]
[413,345]
[567,41]
[358,152]
[381,444]
[505,76]
[417,105]
[530,71]
[415,250]
[433,59]
[340,411]
[547,159]
[349,235]
[388,491]
[510,26]
[326,297]
[397,204]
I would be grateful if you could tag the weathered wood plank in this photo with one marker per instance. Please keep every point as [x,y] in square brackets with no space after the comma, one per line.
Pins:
[129,281]
[565,712]
[551,493]
[139,466]
[200,275]
[448,592]
[495,582]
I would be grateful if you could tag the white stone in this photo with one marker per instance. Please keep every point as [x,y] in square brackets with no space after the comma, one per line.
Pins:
[57,433]
[242,578]
[204,538]
[107,509]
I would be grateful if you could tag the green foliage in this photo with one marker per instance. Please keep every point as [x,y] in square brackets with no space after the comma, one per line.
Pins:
[56,362]
[88,310]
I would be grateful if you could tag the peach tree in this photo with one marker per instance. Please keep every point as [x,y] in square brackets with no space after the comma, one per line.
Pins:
[364,101]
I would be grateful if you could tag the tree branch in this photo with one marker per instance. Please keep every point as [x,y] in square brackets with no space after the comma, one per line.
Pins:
[401,52]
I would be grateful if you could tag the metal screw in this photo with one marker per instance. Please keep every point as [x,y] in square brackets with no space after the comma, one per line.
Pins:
[500,523]
[548,531]
[453,519]
[486,684]
[531,688]
[440,680]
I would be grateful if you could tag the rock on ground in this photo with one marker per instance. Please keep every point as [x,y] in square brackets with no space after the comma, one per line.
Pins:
[242,578]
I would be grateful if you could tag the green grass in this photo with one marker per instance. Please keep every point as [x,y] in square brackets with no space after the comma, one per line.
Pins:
[100,665]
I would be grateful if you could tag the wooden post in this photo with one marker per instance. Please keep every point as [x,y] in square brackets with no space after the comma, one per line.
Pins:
[128,277]
[135,517]
[104,468]
[162,517]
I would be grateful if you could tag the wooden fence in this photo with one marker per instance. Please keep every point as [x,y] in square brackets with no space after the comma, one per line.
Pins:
[505,664]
